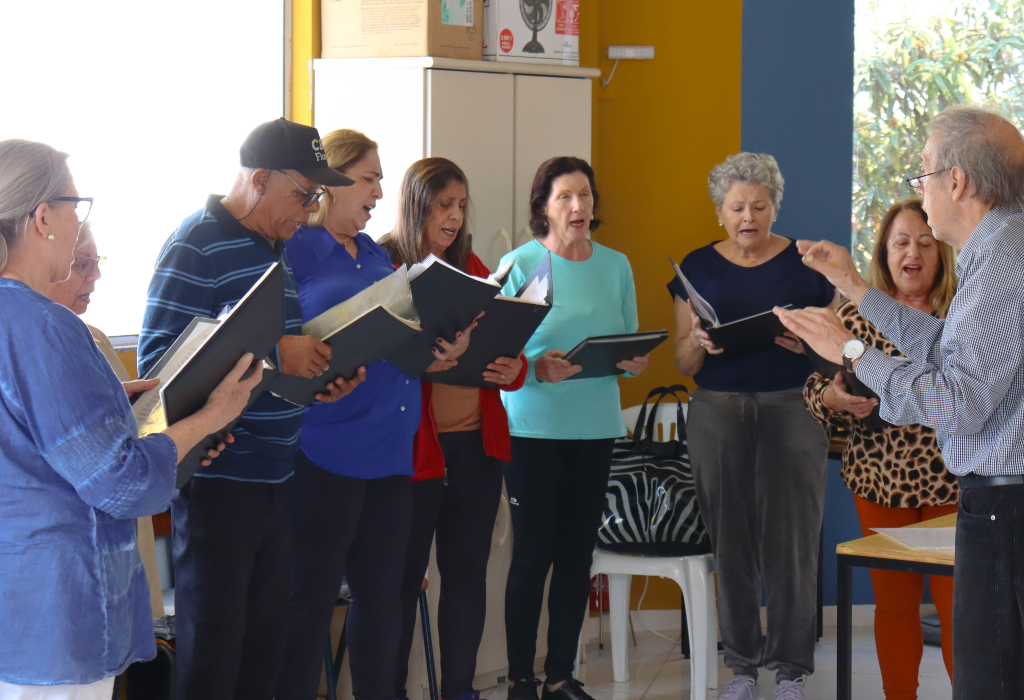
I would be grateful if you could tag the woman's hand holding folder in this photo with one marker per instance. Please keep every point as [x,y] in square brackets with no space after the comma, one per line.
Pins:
[504,370]
[551,368]
[448,354]
[225,404]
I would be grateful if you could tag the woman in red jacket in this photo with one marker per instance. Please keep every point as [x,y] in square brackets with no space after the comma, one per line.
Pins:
[462,441]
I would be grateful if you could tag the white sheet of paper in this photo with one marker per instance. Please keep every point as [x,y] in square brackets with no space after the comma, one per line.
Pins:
[921,538]
[148,409]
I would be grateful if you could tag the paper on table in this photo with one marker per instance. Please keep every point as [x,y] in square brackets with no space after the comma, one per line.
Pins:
[148,408]
[921,538]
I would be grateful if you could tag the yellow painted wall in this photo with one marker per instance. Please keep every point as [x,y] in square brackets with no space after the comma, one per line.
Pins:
[305,46]
[660,126]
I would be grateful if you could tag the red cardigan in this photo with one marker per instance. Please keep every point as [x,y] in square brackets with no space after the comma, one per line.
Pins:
[428,460]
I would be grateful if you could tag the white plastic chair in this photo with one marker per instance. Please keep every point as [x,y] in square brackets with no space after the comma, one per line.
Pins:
[693,575]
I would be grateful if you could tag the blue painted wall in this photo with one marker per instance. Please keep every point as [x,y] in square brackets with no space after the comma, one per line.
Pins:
[797,105]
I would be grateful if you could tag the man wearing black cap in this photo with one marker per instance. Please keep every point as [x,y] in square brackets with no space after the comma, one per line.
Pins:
[232,534]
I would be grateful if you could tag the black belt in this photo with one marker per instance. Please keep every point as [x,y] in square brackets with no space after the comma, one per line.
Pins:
[974,481]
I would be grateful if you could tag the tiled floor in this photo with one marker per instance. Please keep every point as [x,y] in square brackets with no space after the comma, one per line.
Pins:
[657,671]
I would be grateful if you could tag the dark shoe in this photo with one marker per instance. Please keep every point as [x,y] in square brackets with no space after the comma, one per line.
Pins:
[524,689]
[572,689]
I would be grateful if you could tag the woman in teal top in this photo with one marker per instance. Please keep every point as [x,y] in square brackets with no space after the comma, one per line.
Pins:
[562,432]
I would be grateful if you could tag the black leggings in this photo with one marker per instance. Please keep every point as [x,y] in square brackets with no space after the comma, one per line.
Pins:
[556,491]
[463,514]
[355,529]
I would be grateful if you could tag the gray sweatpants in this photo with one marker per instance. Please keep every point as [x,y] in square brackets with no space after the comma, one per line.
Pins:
[759,460]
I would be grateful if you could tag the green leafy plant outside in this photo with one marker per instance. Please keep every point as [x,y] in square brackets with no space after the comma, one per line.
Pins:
[973,52]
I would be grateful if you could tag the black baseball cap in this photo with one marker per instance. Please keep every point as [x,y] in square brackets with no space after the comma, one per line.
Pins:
[285,145]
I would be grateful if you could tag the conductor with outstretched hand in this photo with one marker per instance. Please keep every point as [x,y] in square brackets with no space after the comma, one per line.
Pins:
[965,376]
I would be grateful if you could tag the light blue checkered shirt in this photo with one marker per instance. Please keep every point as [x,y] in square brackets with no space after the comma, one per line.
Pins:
[964,375]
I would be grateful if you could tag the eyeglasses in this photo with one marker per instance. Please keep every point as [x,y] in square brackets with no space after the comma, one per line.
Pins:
[915,182]
[310,196]
[87,265]
[83,205]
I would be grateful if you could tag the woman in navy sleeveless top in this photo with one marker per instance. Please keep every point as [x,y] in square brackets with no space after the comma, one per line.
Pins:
[758,456]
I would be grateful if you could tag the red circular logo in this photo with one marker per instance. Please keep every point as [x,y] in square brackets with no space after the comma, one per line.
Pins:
[506,40]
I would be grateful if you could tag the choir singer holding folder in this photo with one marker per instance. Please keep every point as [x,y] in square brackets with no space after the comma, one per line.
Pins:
[460,445]
[758,456]
[353,496]
[232,537]
[562,432]
[74,604]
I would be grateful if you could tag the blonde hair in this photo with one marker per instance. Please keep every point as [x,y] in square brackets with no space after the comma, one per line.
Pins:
[344,148]
[880,276]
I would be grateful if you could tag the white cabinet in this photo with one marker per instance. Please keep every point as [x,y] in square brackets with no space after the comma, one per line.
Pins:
[498,122]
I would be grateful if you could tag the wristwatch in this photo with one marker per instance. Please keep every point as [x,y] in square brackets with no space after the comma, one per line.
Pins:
[852,350]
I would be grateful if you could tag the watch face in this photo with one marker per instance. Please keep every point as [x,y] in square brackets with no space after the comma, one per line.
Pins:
[854,348]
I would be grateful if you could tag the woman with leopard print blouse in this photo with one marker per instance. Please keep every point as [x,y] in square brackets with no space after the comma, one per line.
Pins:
[896,473]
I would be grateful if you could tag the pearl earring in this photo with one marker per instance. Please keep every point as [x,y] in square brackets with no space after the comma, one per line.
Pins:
[51,237]
[719,223]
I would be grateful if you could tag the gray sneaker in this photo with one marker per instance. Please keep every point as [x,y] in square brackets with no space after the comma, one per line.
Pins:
[741,688]
[791,690]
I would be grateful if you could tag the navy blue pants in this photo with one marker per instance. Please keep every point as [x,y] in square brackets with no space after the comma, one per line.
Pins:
[354,529]
[232,560]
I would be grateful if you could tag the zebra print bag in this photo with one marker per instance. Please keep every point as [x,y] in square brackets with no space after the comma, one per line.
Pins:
[652,502]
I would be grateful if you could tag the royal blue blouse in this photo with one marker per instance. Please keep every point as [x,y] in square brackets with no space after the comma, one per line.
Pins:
[736,292]
[368,434]
[74,602]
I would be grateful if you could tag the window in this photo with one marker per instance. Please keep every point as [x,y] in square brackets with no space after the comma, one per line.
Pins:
[152,101]
[912,59]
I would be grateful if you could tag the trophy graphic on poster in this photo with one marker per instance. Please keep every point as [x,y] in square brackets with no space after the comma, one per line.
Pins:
[536,14]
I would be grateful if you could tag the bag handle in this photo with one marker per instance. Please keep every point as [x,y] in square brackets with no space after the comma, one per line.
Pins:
[647,422]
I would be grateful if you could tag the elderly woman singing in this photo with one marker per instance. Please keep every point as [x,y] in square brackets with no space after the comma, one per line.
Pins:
[758,456]
[74,607]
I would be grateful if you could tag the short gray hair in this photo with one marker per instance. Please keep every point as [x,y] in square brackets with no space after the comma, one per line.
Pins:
[967,137]
[749,168]
[30,173]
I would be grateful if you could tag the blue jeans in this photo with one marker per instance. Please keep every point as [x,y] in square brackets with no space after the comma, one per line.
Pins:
[988,595]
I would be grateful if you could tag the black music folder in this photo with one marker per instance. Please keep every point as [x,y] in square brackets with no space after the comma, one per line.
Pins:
[447,301]
[739,337]
[600,354]
[255,324]
[361,330]
[506,327]
[873,422]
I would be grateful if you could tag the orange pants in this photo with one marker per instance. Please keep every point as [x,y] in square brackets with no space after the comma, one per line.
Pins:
[898,636]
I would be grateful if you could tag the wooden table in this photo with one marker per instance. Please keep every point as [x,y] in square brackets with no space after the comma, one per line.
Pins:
[878,552]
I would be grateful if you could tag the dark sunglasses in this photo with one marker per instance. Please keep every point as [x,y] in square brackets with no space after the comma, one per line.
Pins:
[310,196]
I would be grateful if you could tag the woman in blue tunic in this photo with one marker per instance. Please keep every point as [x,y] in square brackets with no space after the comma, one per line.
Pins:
[74,604]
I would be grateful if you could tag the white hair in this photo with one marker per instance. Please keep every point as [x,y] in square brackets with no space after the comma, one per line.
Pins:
[749,168]
[84,235]
[967,137]
[30,173]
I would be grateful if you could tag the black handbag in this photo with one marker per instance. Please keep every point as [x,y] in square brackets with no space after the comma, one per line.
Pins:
[652,502]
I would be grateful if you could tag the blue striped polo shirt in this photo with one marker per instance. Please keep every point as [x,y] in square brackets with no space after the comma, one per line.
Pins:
[209,264]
